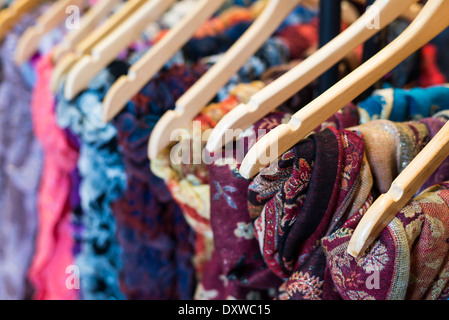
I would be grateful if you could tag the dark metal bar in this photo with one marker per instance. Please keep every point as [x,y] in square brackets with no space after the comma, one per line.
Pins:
[330,27]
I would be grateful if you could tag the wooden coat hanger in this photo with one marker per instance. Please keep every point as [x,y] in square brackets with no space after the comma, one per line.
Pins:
[279,91]
[11,15]
[144,70]
[110,47]
[90,20]
[28,43]
[431,21]
[204,90]
[403,188]
[410,14]
[88,43]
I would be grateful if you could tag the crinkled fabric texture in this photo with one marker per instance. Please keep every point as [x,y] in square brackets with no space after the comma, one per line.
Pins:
[103,181]
[434,124]
[409,259]
[20,169]
[391,146]
[157,243]
[55,235]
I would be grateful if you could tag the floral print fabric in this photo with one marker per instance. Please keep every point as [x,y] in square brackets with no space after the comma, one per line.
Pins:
[237,269]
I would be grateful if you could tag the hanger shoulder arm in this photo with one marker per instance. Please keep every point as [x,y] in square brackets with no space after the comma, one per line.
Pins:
[62,67]
[109,48]
[404,187]
[204,90]
[347,89]
[144,69]
[87,44]
[13,13]
[280,90]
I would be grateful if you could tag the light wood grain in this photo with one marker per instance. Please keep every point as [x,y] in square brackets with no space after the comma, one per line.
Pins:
[28,43]
[280,90]
[204,90]
[146,67]
[85,46]
[111,46]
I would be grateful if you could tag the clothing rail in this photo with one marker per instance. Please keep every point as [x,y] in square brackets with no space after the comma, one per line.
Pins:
[330,26]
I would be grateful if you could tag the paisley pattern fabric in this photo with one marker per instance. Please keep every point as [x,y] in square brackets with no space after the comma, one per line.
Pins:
[307,196]
[409,260]
[188,181]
